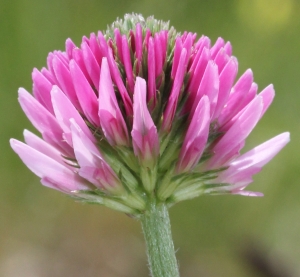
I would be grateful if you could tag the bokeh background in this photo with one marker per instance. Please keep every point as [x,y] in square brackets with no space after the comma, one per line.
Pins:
[44,233]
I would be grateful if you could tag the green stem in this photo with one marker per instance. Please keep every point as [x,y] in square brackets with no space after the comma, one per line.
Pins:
[160,248]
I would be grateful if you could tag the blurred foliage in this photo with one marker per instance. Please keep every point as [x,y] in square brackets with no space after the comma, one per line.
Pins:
[44,233]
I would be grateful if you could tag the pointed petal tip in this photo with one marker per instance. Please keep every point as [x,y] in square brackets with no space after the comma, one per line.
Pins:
[68,40]
[140,81]
[54,89]
[269,89]
[248,193]
[25,132]
[27,135]
[22,91]
[13,143]
[280,140]
[34,72]
[18,146]
[249,72]
[285,137]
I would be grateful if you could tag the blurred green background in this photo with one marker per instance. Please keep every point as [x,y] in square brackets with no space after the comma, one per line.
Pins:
[43,233]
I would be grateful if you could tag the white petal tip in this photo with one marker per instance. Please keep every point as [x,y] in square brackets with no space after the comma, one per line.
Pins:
[248,193]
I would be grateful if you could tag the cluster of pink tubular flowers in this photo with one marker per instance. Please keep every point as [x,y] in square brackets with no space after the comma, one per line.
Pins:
[142,111]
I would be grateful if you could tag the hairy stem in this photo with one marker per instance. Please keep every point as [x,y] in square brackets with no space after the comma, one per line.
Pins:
[160,248]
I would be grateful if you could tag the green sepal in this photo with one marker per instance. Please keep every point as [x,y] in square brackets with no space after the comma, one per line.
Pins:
[170,155]
[171,144]
[92,197]
[121,169]
[166,187]
[134,201]
[128,157]
[197,189]
[148,177]
[185,179]
[188,192]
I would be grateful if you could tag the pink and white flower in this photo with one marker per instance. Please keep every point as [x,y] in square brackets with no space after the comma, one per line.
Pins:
[144,111]
[144,135]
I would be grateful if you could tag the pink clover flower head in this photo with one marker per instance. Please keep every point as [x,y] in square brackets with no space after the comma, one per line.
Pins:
[142,111]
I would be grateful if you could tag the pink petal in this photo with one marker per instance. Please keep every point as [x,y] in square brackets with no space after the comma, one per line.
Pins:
[111,119]
[92,165]
[216,47]
[146,39]
[48,75]
[233,139]
[93,175]
[50,64]
[64,79]
[177,53]
[247,99]
[127,63]
[248,193]
[102,177]
[203,42]
[45,167]
[91,64]
[164,44]
[249,96]
[158,55]
[94,46]
[62,56]
[267,95]
[53,184]
[85,149]
[209,86]
[87,161]
[179,46]
[43,147]
[236,98]
[43,121]
[188,42]
[170,110]
[221,59]
[226,78]
[86,96]
[70,45]
[79,60]
[151,74]
[102,44]
[89,144]
[144,133]
[228,48]
[138,45]
[142,120]
[197,76]
[160,45]
[42,88]
[64,111]
[118,39]
[116,76]
[196,137]
[241,170]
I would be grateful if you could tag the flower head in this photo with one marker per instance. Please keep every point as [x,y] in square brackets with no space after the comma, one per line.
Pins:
[142,111]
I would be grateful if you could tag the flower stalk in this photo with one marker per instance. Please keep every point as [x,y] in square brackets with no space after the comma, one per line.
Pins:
[160,248]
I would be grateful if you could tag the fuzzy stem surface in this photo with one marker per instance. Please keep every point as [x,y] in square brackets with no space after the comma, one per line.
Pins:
[160,248]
